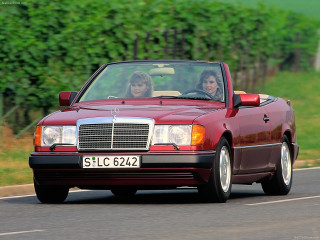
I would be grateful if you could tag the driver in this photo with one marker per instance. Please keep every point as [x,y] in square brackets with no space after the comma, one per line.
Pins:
[210,82]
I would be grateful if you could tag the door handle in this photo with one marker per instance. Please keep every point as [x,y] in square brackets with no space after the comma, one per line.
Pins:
[266,118]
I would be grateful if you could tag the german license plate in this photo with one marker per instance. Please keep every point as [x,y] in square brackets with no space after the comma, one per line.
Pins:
[111,162]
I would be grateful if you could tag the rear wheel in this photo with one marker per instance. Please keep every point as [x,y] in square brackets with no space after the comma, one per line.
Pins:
[51,194]
[219,185]
[281,182]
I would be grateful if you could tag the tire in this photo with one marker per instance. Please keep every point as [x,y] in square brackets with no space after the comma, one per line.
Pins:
[51,194]
[281,182]
[124,192]
[218,188]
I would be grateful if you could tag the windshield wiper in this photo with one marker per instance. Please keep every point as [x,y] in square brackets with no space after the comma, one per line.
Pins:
[176,147]
[53,147]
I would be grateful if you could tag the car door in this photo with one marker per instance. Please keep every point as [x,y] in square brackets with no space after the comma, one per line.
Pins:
[254,139]
[276,113]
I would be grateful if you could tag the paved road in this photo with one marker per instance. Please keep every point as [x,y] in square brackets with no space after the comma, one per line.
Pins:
[178,214]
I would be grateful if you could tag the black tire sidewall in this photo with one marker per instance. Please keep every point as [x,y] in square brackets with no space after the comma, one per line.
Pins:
[51,194]
[124,192]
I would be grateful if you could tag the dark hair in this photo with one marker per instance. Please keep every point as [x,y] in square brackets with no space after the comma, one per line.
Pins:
[207,73]
[138,76]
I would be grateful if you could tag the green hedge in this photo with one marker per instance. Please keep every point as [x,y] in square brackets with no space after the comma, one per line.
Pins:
[48,46]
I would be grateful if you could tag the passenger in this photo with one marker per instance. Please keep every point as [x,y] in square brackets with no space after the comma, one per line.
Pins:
[140,85]
[210,82]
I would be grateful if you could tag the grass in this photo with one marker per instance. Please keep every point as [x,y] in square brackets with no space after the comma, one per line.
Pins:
[15,170]
[301,88]
[14,156]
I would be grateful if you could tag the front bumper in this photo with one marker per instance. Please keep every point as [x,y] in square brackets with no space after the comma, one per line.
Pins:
[156,170]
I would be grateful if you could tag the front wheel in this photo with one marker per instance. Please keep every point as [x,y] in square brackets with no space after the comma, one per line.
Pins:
[281,182]
[51,194]
[218,188]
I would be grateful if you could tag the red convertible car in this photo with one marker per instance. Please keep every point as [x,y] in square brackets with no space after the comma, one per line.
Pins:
[160,125]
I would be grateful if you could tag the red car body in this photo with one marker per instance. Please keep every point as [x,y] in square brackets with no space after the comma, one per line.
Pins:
[252,126]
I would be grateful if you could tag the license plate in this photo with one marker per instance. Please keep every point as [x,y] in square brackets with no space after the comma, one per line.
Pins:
[111,162]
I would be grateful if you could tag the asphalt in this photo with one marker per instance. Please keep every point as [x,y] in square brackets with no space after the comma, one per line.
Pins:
[169,214]
[28,189]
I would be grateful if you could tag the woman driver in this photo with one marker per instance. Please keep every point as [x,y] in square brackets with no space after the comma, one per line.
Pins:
[209,82]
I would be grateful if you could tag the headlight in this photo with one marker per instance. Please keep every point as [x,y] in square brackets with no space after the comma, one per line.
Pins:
[69,134]
[49,135]
[182,135]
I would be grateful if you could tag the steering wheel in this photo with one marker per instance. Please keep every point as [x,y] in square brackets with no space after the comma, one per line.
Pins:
[202,92]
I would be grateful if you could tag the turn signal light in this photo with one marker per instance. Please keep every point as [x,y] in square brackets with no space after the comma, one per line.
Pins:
[37,136]
[198,135]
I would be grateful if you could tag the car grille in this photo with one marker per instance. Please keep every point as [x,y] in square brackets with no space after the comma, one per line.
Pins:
[118,135]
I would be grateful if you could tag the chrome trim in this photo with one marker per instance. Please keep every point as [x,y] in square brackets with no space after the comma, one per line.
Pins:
[258,146]
[225,169]
[115,112]
[113,121]
[286,164]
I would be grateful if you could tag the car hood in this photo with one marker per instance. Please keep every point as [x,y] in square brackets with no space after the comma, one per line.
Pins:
[162,114]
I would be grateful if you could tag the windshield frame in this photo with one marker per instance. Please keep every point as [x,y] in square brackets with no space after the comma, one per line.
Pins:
[91,80]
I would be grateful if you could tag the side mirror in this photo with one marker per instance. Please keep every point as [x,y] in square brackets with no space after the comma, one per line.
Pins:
[252,100]
[66,98]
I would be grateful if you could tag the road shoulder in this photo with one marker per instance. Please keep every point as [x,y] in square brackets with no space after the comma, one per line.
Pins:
[16,190]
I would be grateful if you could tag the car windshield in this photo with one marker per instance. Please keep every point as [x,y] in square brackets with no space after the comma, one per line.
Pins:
[165,79]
